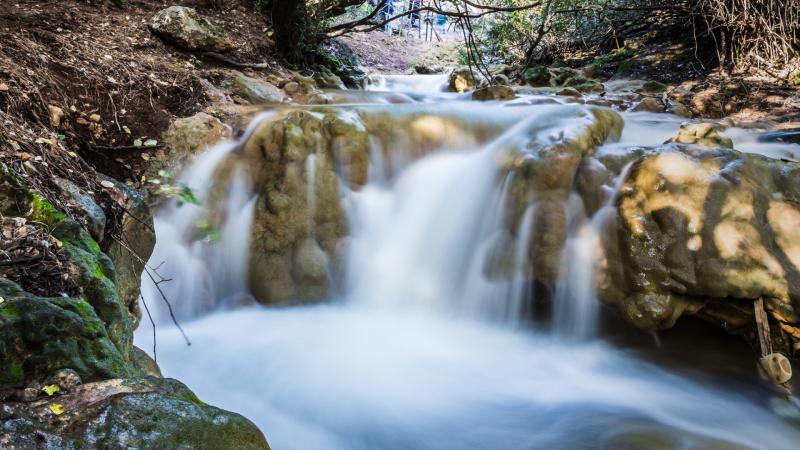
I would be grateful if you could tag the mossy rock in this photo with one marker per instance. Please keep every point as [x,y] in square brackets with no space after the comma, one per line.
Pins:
[90,334]
[39,336]
[537,76]
[151,413]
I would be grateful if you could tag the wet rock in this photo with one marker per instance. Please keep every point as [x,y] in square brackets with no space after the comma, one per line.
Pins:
[43,335]
[353,77]
[702,134]
[191,135]
[94,217]
[537,76]
[679,109]
[493,93]
[653,87]
[131,413]
[310,263]
[328,80]
[500,79]
[296,156]
[256,91]
[585,85]
[424,69]
[703,231]
[138,240]
[143,361]
[185,28]
[789,136]
[559,76]
[184,138]
[84,345]
[543,179]
[650,104]
[794,78]
[569,92]
[464,79]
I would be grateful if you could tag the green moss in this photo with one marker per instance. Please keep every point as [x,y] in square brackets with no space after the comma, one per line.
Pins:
[9,311]
[44,212]
[13,374]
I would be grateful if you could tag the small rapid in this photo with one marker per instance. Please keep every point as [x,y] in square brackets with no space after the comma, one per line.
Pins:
[424,346]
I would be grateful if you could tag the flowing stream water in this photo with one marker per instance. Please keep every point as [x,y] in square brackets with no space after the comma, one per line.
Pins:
[419,350]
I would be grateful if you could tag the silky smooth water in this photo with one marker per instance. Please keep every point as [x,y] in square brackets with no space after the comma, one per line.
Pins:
[421,351]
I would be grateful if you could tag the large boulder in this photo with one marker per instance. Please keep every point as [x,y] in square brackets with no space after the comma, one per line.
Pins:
[152,413]
[185,28]
[707,231]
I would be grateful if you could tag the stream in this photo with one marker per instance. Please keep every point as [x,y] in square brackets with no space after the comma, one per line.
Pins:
[416,349]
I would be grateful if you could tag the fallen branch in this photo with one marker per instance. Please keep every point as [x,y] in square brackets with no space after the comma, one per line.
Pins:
[13,262]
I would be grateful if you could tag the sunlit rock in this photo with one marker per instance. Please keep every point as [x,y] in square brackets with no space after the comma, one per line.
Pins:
[464,79]
[702,134]
[497,92]
[185,28]
[706,232]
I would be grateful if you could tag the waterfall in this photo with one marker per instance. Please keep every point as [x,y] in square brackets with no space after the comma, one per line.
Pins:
[199,263]
[427,345]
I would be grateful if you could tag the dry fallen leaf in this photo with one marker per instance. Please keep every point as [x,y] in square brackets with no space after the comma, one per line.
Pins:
[50,390]
[107,184]
[57,408]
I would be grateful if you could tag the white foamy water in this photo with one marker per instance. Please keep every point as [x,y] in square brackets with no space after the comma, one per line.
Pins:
[423,351]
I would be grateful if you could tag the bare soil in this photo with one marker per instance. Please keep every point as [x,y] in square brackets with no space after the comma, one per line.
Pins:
[385,53]
[81,82]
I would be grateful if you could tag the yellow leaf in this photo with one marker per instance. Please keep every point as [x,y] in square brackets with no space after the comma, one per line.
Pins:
[51,389]
[57,408]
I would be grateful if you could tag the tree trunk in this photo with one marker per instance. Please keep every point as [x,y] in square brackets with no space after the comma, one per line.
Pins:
[290,24]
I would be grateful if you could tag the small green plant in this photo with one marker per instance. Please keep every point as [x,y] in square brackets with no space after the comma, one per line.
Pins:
[170,187]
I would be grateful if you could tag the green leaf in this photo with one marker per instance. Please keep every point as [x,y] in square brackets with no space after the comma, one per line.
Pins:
[150,143]
[187,196]
[137,143]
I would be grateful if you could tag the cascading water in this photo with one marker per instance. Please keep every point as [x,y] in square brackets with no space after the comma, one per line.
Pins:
[200,257]
[418,351]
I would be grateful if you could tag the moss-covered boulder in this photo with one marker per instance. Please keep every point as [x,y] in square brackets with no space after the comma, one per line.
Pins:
[39,336]
[86,336]
[537,76]
[151,413]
